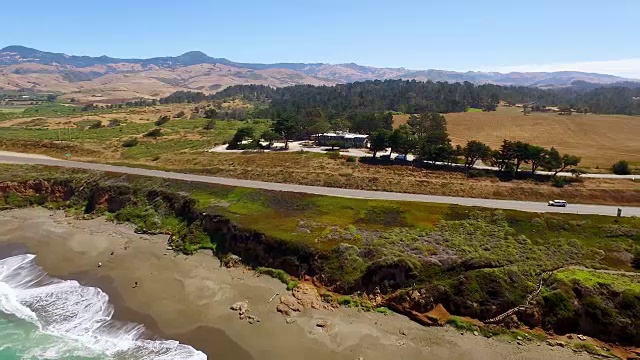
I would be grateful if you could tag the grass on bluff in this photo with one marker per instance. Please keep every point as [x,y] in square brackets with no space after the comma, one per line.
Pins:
[404,228]
[596,279]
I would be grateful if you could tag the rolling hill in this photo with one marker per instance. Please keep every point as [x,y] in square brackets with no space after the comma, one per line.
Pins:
[90,78]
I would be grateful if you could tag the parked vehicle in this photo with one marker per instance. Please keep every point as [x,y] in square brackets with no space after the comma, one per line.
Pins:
[560,203]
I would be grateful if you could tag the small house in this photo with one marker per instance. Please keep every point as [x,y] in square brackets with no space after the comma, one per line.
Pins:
[345,139]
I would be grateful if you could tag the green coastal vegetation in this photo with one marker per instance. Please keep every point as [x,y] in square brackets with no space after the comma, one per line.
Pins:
[475,262]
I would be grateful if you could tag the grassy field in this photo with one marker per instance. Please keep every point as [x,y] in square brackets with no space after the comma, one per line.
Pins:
[98,135]
[12,110]
[600,140]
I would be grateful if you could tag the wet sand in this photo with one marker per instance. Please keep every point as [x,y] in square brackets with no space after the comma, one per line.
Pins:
[187,298]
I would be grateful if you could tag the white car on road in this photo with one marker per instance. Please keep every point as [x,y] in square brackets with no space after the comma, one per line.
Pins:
[560,203]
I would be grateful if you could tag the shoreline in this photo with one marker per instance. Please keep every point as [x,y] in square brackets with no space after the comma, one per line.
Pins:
[217,344]
[187,298]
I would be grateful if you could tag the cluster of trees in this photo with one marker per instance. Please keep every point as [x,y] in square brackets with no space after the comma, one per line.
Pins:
[621,167]
[513,154]
[184,97]
[239,140]
[313,122]
[562,110]
[410,96]
[235,113]
[424,135]
[369,96]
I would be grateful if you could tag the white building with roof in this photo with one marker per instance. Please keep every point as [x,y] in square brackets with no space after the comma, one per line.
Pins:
[346,139]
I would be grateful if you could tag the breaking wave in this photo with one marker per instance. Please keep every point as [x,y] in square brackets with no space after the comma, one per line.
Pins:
[73,320]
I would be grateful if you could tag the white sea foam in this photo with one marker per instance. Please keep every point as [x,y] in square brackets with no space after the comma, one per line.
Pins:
[79,315]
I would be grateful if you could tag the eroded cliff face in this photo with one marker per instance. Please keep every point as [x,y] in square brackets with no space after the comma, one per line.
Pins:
[36,191]
[256,249]
[609,315]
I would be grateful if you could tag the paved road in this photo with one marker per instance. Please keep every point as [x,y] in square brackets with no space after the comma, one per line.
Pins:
[13,158]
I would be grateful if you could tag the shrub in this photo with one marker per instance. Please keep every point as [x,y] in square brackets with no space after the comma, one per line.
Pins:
[210,113]
[383,310]
[476,173]
[291,285]
[559,182]
[559,312]
[130,142]
[210,125]
[461,324]
[280,275]
[162,120]
[352,159]
[589,348]
[387,215]
[95,125]
[274,273]
[243,133]
[15,200]
[345,301]
[146,219]
[157,132]
[114,123]
[621,168]
[334,155]
[635,262]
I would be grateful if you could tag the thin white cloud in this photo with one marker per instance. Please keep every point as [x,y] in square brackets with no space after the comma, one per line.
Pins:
[629,68]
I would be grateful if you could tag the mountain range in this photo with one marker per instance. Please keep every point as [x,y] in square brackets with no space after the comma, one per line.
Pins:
[92,78]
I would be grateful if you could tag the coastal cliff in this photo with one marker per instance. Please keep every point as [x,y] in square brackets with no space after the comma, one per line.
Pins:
[408,271]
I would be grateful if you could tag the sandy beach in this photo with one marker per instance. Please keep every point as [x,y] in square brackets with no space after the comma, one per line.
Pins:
[187,298]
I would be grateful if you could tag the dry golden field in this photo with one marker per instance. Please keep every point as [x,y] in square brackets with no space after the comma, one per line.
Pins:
[600,140]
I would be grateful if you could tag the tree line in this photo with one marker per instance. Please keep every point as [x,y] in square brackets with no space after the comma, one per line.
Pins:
[410,96]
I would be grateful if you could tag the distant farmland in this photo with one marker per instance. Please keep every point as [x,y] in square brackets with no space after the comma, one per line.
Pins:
[600,140]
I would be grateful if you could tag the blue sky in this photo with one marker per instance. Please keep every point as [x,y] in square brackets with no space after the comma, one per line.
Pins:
[599,36]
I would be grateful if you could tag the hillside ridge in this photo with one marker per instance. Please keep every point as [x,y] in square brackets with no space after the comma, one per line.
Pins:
[86,76]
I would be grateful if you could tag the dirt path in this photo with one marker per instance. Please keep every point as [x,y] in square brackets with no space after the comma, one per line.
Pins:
[536,292]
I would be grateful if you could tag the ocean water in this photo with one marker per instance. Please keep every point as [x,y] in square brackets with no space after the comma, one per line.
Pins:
[42,317]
